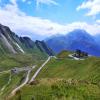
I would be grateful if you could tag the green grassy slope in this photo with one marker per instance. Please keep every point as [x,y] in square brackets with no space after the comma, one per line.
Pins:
[88,69]
[56,89]
[7,62]
[19,60]
[3,79]
[16,79]
[63,54]
[61,79]
[65,79]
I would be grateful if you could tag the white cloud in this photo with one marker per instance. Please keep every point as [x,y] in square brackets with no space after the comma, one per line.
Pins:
[93,29]
[19,22]
[98,21]
[13,2]
[92,5]
[47,2]
[27,1]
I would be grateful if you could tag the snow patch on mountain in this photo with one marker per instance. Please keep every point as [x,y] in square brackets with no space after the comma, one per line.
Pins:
[20,48]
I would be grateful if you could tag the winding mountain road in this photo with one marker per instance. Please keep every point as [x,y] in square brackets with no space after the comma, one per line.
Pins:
[34,76]
[25,82]
[37,72]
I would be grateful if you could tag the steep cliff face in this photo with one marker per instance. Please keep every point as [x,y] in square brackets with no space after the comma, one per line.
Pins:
[12,43]
[8,44]
[44,48]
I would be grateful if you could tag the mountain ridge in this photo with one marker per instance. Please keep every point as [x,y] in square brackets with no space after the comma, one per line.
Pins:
[12,43]
[77,39]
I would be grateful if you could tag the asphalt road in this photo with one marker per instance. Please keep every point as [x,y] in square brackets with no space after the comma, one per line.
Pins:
[37,72]
[25,82]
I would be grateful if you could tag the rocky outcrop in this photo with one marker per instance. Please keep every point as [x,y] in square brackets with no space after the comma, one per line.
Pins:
[12,43]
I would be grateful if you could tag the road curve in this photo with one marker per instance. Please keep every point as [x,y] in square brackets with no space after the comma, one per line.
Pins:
[25,82]
[36,73]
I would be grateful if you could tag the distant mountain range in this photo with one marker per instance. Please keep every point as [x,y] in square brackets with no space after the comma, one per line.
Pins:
[77,39]
[12,43]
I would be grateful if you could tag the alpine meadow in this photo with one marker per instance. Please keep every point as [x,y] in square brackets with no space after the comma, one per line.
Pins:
[49,49]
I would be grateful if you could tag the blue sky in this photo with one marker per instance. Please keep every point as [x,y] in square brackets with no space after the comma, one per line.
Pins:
[42,18]
[62,13]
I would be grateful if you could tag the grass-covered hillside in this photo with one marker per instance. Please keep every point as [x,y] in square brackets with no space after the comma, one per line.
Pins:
[65,79]
[67,68]
[8,80]
[63,54]
[19,60]
[8,85]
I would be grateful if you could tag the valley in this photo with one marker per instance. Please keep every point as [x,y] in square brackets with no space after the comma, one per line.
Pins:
[65,79]
[49,49]
[49,69]
[15,78]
